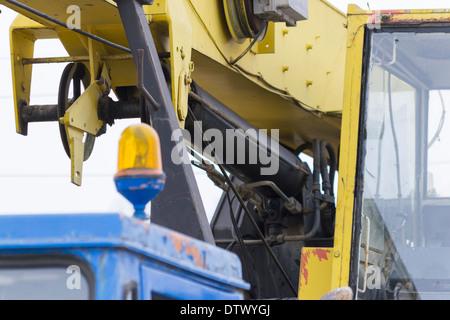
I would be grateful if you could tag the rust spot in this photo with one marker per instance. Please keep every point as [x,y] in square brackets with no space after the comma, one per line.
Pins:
[419,20]
[395,11]
[143,186]
[183,245]
[196,254]
[147,227]
[322,254]
[400,16]
[177,242]
[304,269]
[142,223]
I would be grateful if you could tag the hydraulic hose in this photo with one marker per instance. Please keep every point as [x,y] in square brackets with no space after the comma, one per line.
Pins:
[327,176]
[313,230]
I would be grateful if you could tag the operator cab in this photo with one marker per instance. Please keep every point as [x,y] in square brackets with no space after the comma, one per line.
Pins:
[403,191]
[110,257]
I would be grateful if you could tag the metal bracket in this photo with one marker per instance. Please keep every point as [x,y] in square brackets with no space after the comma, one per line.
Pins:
[324,197]
[81,117]
[169,16]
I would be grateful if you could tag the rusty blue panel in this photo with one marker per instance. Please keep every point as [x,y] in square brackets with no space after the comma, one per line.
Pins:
[117,247]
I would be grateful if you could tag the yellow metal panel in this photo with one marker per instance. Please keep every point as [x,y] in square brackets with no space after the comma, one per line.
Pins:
[308,60]
[82,114]
[158,7]
[22,46]
[315,273]
[32,28]
[265,109]
[97,16]
[300,64]
[76,145]
[267,45]
[23,34]
[348,153]
[169,18]
[357,21]
[93,12]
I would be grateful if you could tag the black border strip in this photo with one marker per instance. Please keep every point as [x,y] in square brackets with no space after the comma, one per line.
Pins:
[361,153]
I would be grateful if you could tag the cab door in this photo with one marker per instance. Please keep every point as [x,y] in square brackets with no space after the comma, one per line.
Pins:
[400,247]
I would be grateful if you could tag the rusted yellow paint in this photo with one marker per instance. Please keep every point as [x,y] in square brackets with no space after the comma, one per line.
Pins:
[315,273]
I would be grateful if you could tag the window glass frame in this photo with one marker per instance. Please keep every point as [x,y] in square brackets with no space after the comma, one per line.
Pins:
[30,261]
[421,164]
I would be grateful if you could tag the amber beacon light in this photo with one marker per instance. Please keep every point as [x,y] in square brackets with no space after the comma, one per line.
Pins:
[140,177]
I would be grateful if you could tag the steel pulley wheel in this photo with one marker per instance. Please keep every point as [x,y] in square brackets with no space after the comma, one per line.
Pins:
[242,23]
[74,79]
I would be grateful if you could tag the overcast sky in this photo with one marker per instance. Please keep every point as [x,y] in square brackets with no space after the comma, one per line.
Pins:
[35,171]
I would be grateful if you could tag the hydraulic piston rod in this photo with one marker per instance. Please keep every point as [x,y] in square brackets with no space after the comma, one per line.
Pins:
[260,151]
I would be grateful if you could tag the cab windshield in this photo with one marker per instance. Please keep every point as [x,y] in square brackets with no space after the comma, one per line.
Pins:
[403,204]
[44,278]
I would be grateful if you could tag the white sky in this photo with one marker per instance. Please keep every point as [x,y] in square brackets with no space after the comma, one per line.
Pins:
[35,171]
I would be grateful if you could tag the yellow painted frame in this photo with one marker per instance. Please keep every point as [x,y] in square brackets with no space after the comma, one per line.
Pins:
[357,22]
[23,35]
[348,150]
[320,282]
[338,268]
[168,17]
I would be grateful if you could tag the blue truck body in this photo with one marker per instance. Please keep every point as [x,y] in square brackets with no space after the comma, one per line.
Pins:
[110,256]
